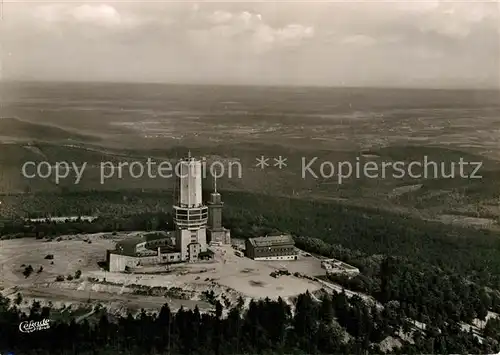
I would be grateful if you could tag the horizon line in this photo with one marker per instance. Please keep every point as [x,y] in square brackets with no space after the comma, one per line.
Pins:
[297,86]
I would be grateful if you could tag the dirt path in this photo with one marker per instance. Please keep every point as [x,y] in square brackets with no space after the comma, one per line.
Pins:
[79,319]
[127,300]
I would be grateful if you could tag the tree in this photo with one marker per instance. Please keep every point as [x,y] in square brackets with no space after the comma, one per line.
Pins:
[28,270]
[304,321]
[484,303]
[19,299]
[330,338]
[240,303]
[326,311]
[218,310]
[387,269]
[492,328]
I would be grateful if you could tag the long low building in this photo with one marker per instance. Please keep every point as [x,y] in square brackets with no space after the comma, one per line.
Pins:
[334,266]
[278,247]
[147,249]
[63,219]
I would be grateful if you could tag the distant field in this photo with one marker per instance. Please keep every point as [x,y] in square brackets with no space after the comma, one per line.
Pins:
[160,116]
[471,197]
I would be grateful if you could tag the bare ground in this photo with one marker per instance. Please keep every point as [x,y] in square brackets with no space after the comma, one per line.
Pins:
[70,254]
[238,275]
[228,276]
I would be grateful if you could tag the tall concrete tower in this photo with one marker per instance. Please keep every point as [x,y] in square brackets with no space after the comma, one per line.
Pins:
[215,205]
[190,215]
[216,232]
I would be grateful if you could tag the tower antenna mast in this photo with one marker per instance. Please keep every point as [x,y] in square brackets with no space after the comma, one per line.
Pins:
[174,197]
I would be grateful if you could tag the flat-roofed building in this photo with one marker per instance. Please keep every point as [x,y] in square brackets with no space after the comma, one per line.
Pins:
[334,266]
[277,247]
[143,250]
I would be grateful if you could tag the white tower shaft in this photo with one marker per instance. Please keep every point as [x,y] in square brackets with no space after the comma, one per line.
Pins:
[190,215]
[190,183]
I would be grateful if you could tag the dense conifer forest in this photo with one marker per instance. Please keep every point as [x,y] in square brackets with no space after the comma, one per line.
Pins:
[333,324]
[418,272]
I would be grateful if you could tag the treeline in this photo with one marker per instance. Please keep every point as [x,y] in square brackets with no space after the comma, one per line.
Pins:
[470,253]
[334,324]
[85,203]
[50,228]
[437,275]
[424,291]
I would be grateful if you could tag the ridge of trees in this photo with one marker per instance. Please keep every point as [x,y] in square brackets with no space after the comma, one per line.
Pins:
[419,271]
[471,253]
[336,324]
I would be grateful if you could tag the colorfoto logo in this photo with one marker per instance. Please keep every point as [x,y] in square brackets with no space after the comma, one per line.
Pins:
[32,326]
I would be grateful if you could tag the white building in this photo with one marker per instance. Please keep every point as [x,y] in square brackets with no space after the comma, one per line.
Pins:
[190,214]
[144,250]
[273,247]
[334,266]
[190,234]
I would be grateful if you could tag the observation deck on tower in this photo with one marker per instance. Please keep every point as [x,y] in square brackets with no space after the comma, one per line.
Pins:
[189,210]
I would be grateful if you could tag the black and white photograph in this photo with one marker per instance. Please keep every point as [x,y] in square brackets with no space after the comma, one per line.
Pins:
[249,177]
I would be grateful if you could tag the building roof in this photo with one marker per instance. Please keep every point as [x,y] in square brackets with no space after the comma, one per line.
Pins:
[165,249]
[207,252]
[149,237]
[127,246]
[338,264]
[274,240]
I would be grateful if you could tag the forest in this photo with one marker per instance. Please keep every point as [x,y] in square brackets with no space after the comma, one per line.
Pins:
[469,252]
[333,324]
[418,271]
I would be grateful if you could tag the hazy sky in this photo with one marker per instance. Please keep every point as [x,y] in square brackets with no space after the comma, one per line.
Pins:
[396,43]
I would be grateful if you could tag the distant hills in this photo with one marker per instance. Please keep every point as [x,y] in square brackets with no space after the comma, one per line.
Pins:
[15,129]
[426,198]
